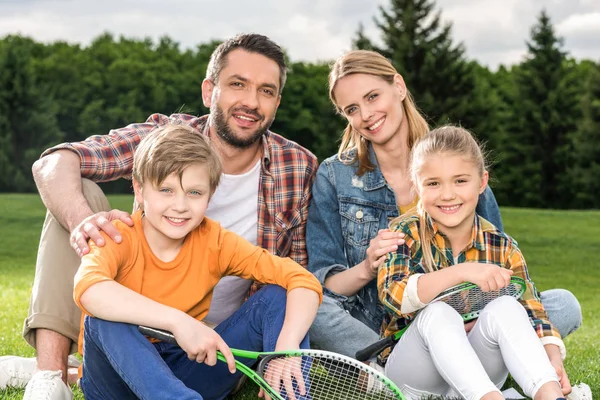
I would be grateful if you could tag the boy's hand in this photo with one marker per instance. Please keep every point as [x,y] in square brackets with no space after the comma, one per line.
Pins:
[487,276]
[201,342]
[91,226]
[283,372]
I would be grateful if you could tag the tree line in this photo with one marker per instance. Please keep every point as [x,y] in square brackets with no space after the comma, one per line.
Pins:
[539,119]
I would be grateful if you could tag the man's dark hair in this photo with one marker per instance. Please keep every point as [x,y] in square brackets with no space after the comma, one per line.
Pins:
[252,43]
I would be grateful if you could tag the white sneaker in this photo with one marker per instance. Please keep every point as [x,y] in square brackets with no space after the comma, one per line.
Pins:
[580,391]
[47,385]
[15,371]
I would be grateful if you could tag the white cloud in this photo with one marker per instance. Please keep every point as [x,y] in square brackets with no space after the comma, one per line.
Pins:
[493,31]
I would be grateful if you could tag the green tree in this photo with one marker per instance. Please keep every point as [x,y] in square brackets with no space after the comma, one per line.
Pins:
[537,147]
[27,115]
[306,115]
[585,173]
[435,69]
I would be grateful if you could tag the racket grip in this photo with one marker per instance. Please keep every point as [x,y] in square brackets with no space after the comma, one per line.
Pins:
[374,349]
[159,334]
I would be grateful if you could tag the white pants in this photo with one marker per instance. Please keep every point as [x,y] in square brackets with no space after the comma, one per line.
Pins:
[436,357]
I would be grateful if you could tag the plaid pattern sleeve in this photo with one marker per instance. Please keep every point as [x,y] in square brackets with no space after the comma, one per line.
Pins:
[393,275]
[530,300]
[109,157]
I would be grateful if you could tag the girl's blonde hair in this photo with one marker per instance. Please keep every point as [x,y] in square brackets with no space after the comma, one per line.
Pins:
[449,140]
[370,63]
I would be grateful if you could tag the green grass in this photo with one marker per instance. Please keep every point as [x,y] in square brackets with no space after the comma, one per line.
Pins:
[560,249]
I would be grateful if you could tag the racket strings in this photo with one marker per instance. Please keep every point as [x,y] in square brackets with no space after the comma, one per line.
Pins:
[473,300]
[326,378]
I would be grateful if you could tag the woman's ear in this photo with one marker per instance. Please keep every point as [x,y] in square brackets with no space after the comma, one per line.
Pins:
[484,181]
[400,85]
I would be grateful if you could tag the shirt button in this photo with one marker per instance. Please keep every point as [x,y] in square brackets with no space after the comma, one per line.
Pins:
[284,225]
[359,214]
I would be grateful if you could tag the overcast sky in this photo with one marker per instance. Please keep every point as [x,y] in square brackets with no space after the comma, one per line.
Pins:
[493,31]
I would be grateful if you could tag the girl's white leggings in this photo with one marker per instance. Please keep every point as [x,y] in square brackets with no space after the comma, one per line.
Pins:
[436,357]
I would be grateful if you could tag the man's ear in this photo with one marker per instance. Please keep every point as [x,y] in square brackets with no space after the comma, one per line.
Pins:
[208,87]
[484,181]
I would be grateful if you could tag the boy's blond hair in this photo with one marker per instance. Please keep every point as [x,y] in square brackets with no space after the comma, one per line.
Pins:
[170,150]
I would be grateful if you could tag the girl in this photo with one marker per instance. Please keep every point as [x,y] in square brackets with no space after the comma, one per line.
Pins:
[447,243]
[358,191]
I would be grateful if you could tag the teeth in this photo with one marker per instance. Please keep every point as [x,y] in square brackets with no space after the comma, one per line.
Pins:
[176,220]
[376,125]
[245,118]
[450,208]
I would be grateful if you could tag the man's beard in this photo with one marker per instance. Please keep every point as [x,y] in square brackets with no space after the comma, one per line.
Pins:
[226,133]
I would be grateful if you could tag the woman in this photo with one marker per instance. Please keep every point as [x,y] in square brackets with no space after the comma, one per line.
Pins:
[363,187]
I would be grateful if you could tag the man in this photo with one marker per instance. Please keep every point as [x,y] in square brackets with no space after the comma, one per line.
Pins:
[243,85]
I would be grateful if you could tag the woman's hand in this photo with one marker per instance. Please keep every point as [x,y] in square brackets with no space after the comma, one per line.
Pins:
[385,242]
[487,276]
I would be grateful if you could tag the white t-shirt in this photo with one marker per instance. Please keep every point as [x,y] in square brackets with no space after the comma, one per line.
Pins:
[235,205]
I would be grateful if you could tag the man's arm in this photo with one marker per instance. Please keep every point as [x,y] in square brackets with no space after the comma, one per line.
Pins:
[62,169]
[68,205]
[100,158]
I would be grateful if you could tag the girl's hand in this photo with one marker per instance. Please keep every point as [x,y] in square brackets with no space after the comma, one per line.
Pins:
[556,361]
[487,276]
[469,325]
[201,342]
[385,242]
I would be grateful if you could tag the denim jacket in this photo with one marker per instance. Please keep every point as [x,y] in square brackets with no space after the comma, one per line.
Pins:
[345,213]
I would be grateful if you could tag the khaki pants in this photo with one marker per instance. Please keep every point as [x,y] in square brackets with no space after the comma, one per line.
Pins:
[52,306]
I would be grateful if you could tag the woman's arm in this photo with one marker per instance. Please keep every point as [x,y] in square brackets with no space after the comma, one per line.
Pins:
[325,242]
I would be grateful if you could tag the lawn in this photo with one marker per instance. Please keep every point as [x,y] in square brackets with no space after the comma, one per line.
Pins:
[560,248]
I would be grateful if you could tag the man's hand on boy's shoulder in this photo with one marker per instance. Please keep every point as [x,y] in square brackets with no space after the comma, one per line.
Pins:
[200,342]
[90,228]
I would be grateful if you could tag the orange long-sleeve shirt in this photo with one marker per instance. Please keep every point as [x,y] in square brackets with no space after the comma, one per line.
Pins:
[186,283]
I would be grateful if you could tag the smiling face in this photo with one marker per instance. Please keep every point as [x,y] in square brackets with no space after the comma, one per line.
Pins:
[449,187]
[174,208]
[372,106]
[244,101]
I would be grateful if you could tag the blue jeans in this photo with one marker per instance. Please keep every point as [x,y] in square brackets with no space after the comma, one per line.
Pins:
[338,327]
[120,363]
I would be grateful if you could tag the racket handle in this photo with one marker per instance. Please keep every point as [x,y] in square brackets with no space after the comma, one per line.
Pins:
[374,349]
[159,334]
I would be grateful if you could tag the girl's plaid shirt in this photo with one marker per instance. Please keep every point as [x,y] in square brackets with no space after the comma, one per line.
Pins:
[287,174]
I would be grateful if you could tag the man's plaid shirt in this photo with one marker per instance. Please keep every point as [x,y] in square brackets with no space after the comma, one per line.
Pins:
[286,177]
[488,245]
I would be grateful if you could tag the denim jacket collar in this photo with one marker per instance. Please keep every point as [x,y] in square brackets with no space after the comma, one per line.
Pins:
[373,179]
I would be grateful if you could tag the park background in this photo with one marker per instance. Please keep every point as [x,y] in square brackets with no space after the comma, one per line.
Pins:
[539,118]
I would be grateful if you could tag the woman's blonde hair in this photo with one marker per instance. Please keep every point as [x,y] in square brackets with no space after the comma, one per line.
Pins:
[170,150]
[371,63]
[450,140]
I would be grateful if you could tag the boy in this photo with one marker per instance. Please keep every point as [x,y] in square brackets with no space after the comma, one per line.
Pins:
[162,274]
